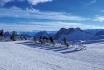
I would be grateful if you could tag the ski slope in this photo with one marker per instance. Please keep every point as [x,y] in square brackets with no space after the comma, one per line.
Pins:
[18,56]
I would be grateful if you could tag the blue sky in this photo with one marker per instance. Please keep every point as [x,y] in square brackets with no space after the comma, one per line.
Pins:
[51,15]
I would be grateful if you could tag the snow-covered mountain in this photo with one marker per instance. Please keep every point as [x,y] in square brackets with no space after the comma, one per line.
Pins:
[72,34]
[101,32]
[93,31]
[99,35]
[42,33]
[45,33]
[35,32]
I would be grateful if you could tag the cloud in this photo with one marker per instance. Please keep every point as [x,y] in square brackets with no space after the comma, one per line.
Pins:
[91,2]
[49,26]
[55,20]
[99,18]
[35,2]
[2,2]
[59,16]
[32,2]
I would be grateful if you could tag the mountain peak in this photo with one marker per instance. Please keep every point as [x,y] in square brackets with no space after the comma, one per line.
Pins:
[72,34]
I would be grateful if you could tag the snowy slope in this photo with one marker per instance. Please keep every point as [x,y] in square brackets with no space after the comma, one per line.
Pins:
[15,56]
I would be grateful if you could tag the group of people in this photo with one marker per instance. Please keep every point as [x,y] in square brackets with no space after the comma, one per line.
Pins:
[50,40]
[44,39]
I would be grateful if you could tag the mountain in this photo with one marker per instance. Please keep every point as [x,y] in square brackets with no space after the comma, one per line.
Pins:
[101,32]
[34,32]
[42,33]
[93,31]
[51,33]
[26,33]
[99,35]
[72,34]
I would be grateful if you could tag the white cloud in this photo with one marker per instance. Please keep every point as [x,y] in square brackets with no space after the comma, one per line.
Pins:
[99,18]
[33,2]
[88,2]
[17,12]
[92,2]
[50,26]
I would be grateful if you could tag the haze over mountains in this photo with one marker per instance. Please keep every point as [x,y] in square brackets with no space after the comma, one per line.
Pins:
[75,34]
[71,34]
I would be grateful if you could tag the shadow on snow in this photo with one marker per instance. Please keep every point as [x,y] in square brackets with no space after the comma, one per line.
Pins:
[63,50]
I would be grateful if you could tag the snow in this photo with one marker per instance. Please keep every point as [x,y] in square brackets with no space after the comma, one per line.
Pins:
[21,55]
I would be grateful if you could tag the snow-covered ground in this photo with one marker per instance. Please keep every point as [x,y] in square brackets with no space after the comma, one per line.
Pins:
[27,56]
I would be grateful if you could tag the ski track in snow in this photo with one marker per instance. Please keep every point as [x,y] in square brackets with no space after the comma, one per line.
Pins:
[21,57]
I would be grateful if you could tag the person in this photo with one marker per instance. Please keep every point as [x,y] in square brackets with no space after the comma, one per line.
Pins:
[40,39]
[13,36]
[1,34]
[51,40]
[65,42]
